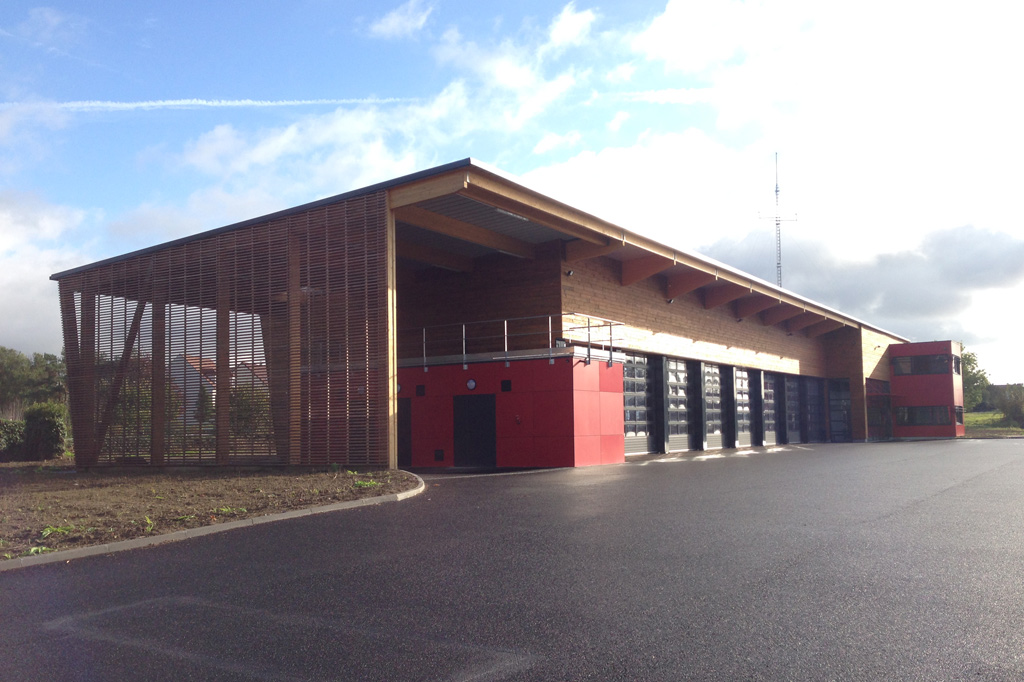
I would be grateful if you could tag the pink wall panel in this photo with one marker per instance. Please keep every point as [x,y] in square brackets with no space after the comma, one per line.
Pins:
[587,450]
[587,413]
[613,448]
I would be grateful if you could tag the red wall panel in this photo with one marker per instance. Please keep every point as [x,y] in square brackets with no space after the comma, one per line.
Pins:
[552,415]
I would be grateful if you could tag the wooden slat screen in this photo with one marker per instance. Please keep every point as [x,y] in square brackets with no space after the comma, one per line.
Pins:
[266,344]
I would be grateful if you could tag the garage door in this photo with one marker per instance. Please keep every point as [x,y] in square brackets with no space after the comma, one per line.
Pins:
[638,404]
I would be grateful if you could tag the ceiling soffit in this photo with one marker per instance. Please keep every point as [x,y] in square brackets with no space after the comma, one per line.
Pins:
[487,214]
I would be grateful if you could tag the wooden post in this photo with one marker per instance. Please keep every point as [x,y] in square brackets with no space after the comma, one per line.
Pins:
[223,399]
[294,349]
[87,449]
[69,318]
[158,384]
[392,339]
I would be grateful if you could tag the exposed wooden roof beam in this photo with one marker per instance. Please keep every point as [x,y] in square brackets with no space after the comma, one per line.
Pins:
[641,268]
[722,294]
[779,313]
[803,320]
[413,215]
[680,284]
[752,305]
[579,249]
[432,256]
[424,190]
[823,328]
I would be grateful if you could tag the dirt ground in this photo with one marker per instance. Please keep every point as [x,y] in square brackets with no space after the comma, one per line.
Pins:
[49,506]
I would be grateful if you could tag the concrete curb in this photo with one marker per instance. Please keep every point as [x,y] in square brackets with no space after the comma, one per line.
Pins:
[135,543]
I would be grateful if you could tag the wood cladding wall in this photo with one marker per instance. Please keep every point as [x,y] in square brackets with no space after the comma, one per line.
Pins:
[263,344]
[500,287]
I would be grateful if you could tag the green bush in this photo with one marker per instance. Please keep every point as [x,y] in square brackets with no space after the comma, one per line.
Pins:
[12,434]
[45,431]
[1011,403]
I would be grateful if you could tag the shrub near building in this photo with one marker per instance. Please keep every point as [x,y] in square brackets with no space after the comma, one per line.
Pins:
[45,431]
[1011,403]
[12,435]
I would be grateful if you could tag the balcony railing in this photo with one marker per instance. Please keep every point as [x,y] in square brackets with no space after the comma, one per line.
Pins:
[509,338]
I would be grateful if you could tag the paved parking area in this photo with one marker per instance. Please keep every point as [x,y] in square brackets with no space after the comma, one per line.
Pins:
[845,562]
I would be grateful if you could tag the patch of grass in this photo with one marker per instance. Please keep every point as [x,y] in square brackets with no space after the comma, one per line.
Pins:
[50,530]
[990,425]
[68,509]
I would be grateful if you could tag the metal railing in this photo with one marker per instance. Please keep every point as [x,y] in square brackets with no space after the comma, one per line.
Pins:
[512,335]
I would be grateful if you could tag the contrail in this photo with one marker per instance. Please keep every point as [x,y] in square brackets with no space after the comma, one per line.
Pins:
[102,105]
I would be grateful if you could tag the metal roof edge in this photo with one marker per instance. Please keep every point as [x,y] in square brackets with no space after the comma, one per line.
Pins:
[736,272]
[468,162]
[326,201]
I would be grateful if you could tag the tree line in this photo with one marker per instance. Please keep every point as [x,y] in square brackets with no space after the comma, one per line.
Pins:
[25,381]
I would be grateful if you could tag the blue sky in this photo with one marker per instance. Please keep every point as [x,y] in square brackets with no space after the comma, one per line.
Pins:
[897,126]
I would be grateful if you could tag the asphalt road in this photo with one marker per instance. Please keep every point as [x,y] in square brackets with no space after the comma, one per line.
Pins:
[843,562]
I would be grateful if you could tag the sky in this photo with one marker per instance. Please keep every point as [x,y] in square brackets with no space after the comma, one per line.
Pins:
[896,125]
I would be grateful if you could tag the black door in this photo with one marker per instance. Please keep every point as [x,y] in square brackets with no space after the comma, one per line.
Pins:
[476,436]
[839,408]
[405,432]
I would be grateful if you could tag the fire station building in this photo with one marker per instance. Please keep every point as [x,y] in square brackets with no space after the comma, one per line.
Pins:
[455,317]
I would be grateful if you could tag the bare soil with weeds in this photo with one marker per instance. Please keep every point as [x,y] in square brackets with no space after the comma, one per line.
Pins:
[50,506]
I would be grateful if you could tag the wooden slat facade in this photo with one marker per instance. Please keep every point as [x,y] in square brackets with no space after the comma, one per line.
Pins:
[267,344]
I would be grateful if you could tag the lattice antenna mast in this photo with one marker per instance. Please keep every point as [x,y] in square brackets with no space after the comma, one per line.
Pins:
[778,227]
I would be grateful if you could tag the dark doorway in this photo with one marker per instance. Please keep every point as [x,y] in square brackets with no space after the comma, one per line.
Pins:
[839,407]
[476,436]
[405,432]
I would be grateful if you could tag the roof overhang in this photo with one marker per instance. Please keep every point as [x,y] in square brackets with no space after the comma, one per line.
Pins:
[452,215]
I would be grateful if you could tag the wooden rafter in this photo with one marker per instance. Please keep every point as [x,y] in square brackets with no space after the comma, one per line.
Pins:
[823,328]
[722,294]
[641,268]
[752,305]
[407,195]
[468,232]
[680,284]
[802,321]
[779,313]
[579,249]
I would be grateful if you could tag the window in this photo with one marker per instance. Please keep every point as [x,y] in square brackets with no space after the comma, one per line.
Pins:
[920,364]
[959,409]
[924,416]
[956,364]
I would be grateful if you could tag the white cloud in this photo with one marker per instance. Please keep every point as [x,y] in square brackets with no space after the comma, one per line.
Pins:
[31,320]
[554,141]
[402,21]
[570,27]
[712,186]
[25,217]
[622,73]
[509,79]
[693,36]
[32,234]
[615,125]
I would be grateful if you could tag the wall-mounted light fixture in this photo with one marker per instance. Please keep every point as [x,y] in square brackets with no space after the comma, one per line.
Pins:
[471,384]
[569,273]
[670,301]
